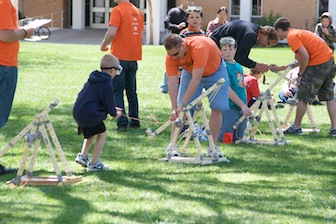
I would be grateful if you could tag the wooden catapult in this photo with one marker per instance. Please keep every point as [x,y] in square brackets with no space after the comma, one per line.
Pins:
[292,103]
[261,105]
[38,129]
[185,118]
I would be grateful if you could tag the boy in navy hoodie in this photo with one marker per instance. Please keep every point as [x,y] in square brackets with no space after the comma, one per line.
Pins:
[94,102]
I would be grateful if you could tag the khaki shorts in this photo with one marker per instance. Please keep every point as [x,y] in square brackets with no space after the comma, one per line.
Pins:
[317,81]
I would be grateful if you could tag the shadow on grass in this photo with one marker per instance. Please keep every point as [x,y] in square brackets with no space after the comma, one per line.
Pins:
[208,186]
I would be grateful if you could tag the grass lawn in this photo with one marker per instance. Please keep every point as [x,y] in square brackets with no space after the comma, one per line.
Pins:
[294,183]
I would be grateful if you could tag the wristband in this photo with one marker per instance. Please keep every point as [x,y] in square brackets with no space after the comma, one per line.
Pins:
[25,33]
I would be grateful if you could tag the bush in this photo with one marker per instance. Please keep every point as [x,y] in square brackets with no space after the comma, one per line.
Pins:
[268,20]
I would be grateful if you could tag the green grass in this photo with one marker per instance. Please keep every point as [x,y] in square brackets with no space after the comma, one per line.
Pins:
[294,183]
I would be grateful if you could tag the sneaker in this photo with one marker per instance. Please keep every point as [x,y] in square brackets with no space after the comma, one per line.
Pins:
[219,153]
[197,132]
[279,106]
[203,137]
[174,152]
[121,128]
[332,132]
[184,133]
[4,170]
[292,130]
[164,89]
[82,160]
[96,167]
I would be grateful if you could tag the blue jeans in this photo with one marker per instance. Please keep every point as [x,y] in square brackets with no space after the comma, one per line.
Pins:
[8,81]
[127,81]
[220,101]
[164,87]
[230,117]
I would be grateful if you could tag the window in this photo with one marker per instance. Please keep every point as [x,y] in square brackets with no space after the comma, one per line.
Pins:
[323,7]
[235,10]
[256,10]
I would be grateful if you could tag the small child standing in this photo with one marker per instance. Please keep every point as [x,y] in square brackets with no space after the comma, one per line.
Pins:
[237,94]
[252,86]
[95,101]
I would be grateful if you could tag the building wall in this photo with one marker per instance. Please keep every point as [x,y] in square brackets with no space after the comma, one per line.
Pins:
[302,13]
[50,9]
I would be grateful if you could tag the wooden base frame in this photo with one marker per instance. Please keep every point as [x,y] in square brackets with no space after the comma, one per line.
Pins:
[40,128]
[50,180]
[258,108]
[190,120]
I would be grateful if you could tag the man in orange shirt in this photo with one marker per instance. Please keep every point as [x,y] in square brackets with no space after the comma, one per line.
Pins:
[10,34]
[202,65]
[125,36]
[316,73]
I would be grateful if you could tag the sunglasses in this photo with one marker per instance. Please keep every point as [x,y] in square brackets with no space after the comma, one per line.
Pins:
[175,55]
[118,69]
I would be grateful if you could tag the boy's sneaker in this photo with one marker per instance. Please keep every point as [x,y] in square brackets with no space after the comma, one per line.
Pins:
[97,166]
[219,153]
[292,130]
[82,160]
[332,132]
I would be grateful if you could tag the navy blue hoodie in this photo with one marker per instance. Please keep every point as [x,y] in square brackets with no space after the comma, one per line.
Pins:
[245,33]
[95,100]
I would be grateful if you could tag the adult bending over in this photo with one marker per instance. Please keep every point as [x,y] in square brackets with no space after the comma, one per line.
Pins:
[247,34]
[202,66]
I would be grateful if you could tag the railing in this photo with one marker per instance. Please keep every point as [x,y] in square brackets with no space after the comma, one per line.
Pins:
[57,19]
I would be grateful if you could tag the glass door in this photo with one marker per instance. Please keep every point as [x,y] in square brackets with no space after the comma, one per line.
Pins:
[100,13]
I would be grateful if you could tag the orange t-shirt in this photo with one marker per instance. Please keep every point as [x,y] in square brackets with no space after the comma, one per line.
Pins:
[202,52]
[127,43]
[8,21]
[318,50]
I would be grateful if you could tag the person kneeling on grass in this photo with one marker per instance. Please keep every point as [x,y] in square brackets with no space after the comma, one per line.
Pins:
[94,102]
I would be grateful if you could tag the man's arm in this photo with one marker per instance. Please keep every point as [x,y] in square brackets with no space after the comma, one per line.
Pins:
[303,59]
[109,35]
[9,36]
[173,90]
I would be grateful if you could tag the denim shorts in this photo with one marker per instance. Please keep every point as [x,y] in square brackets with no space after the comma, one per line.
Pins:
[218,101]
[317,80]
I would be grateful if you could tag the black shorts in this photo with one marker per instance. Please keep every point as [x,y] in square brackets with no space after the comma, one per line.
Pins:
[88,132]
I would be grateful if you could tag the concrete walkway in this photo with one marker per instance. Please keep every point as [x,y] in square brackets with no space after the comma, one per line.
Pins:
[71,36]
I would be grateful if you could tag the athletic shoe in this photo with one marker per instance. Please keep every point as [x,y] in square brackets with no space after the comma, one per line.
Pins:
[292,130]
[122,128]
[97,166]
[197,132]
[332,132]
[164,89]
[4,170]
[203,137]
[219,153]
[82,160]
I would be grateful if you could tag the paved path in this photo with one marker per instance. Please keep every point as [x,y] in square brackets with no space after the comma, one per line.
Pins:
[71,36]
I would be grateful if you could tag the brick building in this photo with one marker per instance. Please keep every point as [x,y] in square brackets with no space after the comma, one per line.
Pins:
[81,14]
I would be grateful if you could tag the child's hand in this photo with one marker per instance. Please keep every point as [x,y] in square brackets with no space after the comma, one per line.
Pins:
[119,112]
